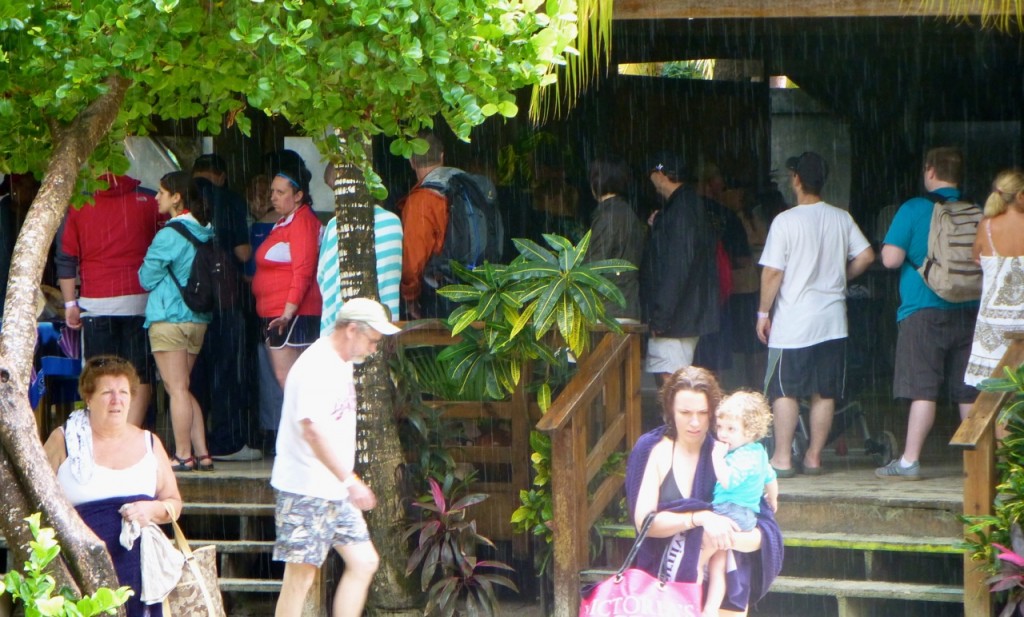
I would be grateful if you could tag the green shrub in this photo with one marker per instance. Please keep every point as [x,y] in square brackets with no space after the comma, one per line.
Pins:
[35,588]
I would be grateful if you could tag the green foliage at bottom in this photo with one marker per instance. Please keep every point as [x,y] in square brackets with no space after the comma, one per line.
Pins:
[34,587]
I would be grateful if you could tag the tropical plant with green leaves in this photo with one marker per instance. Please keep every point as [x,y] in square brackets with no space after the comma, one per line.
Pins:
[455,580]
[987,536]
[34,588]
[536,510]
[544,291]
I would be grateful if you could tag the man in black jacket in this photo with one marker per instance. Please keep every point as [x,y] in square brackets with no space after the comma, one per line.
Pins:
[678,277]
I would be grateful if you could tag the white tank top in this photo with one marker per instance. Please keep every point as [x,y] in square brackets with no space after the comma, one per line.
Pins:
[139,479]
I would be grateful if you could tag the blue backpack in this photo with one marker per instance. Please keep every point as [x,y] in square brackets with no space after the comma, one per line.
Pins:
[475,232]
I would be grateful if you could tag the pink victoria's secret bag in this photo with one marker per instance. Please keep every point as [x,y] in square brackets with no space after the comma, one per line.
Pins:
[634,593]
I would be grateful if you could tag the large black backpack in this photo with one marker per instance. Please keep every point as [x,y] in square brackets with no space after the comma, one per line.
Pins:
[211,281]
[475,232]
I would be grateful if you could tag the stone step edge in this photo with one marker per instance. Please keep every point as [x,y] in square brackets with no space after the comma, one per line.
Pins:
[879,590]
[234,547]
[251,585]
[840,588]
[232,509]
[849,541]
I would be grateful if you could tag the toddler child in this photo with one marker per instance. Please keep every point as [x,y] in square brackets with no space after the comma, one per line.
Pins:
[744,476]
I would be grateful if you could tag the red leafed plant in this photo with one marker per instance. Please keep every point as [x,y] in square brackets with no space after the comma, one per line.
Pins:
[452,576]
[1011,573]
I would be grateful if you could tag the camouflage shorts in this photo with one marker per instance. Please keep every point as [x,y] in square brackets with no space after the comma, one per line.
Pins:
[307,527]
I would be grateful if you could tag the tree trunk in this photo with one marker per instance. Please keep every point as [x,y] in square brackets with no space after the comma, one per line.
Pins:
[379,451]
[26,479]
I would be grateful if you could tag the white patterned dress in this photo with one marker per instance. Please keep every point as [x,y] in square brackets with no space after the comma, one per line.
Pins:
[1001,311]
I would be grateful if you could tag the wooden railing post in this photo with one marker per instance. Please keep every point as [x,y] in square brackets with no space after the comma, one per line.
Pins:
[979,495]
[566,469]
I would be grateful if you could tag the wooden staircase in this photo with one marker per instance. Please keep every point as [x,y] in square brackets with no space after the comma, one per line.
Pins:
[233,509]
[877,547]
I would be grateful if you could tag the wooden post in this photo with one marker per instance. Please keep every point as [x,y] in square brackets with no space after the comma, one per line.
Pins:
[979,495]
[520,458]
[564,490]
[633,397]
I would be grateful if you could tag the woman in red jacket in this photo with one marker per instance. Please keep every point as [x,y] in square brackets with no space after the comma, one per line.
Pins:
[287,298]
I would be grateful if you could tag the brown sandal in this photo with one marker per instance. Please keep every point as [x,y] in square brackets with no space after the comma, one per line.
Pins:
[204,463]
[183,464]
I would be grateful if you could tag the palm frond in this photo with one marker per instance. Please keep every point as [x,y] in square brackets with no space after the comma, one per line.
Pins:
[561,88]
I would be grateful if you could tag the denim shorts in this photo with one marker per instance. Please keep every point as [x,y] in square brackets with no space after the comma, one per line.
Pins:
[741,515]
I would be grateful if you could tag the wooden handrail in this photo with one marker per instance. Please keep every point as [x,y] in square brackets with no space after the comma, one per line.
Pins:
[582,389]
[985,410]
[611,371]
[977,436]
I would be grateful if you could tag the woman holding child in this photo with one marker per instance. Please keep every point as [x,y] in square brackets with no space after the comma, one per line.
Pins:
[671,470]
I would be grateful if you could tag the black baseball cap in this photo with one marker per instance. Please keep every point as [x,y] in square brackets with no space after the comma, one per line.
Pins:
[667,162]
[811,168]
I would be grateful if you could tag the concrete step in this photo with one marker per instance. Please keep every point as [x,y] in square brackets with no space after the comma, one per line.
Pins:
[249,585]
[879,590]
[228,486]
[236,547]
[838,540]
[227,509]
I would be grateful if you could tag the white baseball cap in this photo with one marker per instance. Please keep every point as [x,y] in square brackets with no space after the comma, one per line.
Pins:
[370,312]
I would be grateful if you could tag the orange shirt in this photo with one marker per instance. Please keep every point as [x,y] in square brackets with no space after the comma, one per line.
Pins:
[424,222]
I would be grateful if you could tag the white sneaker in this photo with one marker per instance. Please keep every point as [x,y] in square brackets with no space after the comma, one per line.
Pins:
[245,454]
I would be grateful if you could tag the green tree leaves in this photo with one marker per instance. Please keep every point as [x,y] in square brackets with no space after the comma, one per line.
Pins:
[366,67]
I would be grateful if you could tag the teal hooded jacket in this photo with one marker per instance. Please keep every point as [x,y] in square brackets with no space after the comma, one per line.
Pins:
[170,250]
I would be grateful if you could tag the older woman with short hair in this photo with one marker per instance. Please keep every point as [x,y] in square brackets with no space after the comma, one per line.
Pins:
[114,471]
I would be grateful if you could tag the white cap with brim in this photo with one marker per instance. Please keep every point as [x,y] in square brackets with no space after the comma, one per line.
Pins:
[370,312]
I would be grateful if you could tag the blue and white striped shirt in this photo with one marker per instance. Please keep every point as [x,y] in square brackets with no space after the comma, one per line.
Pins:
[387,229]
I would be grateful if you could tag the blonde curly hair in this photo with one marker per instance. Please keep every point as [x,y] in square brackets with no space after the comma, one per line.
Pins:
[751,409]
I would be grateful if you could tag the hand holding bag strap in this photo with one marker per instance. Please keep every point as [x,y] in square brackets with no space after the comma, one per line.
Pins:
[644,528]
[179,537]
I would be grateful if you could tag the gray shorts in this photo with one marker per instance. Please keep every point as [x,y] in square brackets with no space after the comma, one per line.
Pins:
[932,349]
[307,527]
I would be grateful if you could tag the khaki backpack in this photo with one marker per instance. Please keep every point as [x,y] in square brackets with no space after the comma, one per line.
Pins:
[949,269]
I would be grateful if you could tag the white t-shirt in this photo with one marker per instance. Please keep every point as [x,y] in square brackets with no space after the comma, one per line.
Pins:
[811,244]
[319,388]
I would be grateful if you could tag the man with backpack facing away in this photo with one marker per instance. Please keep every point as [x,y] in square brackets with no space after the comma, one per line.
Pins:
[935,334]
[445,217]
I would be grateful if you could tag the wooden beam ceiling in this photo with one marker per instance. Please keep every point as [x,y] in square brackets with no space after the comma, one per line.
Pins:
[731,9]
